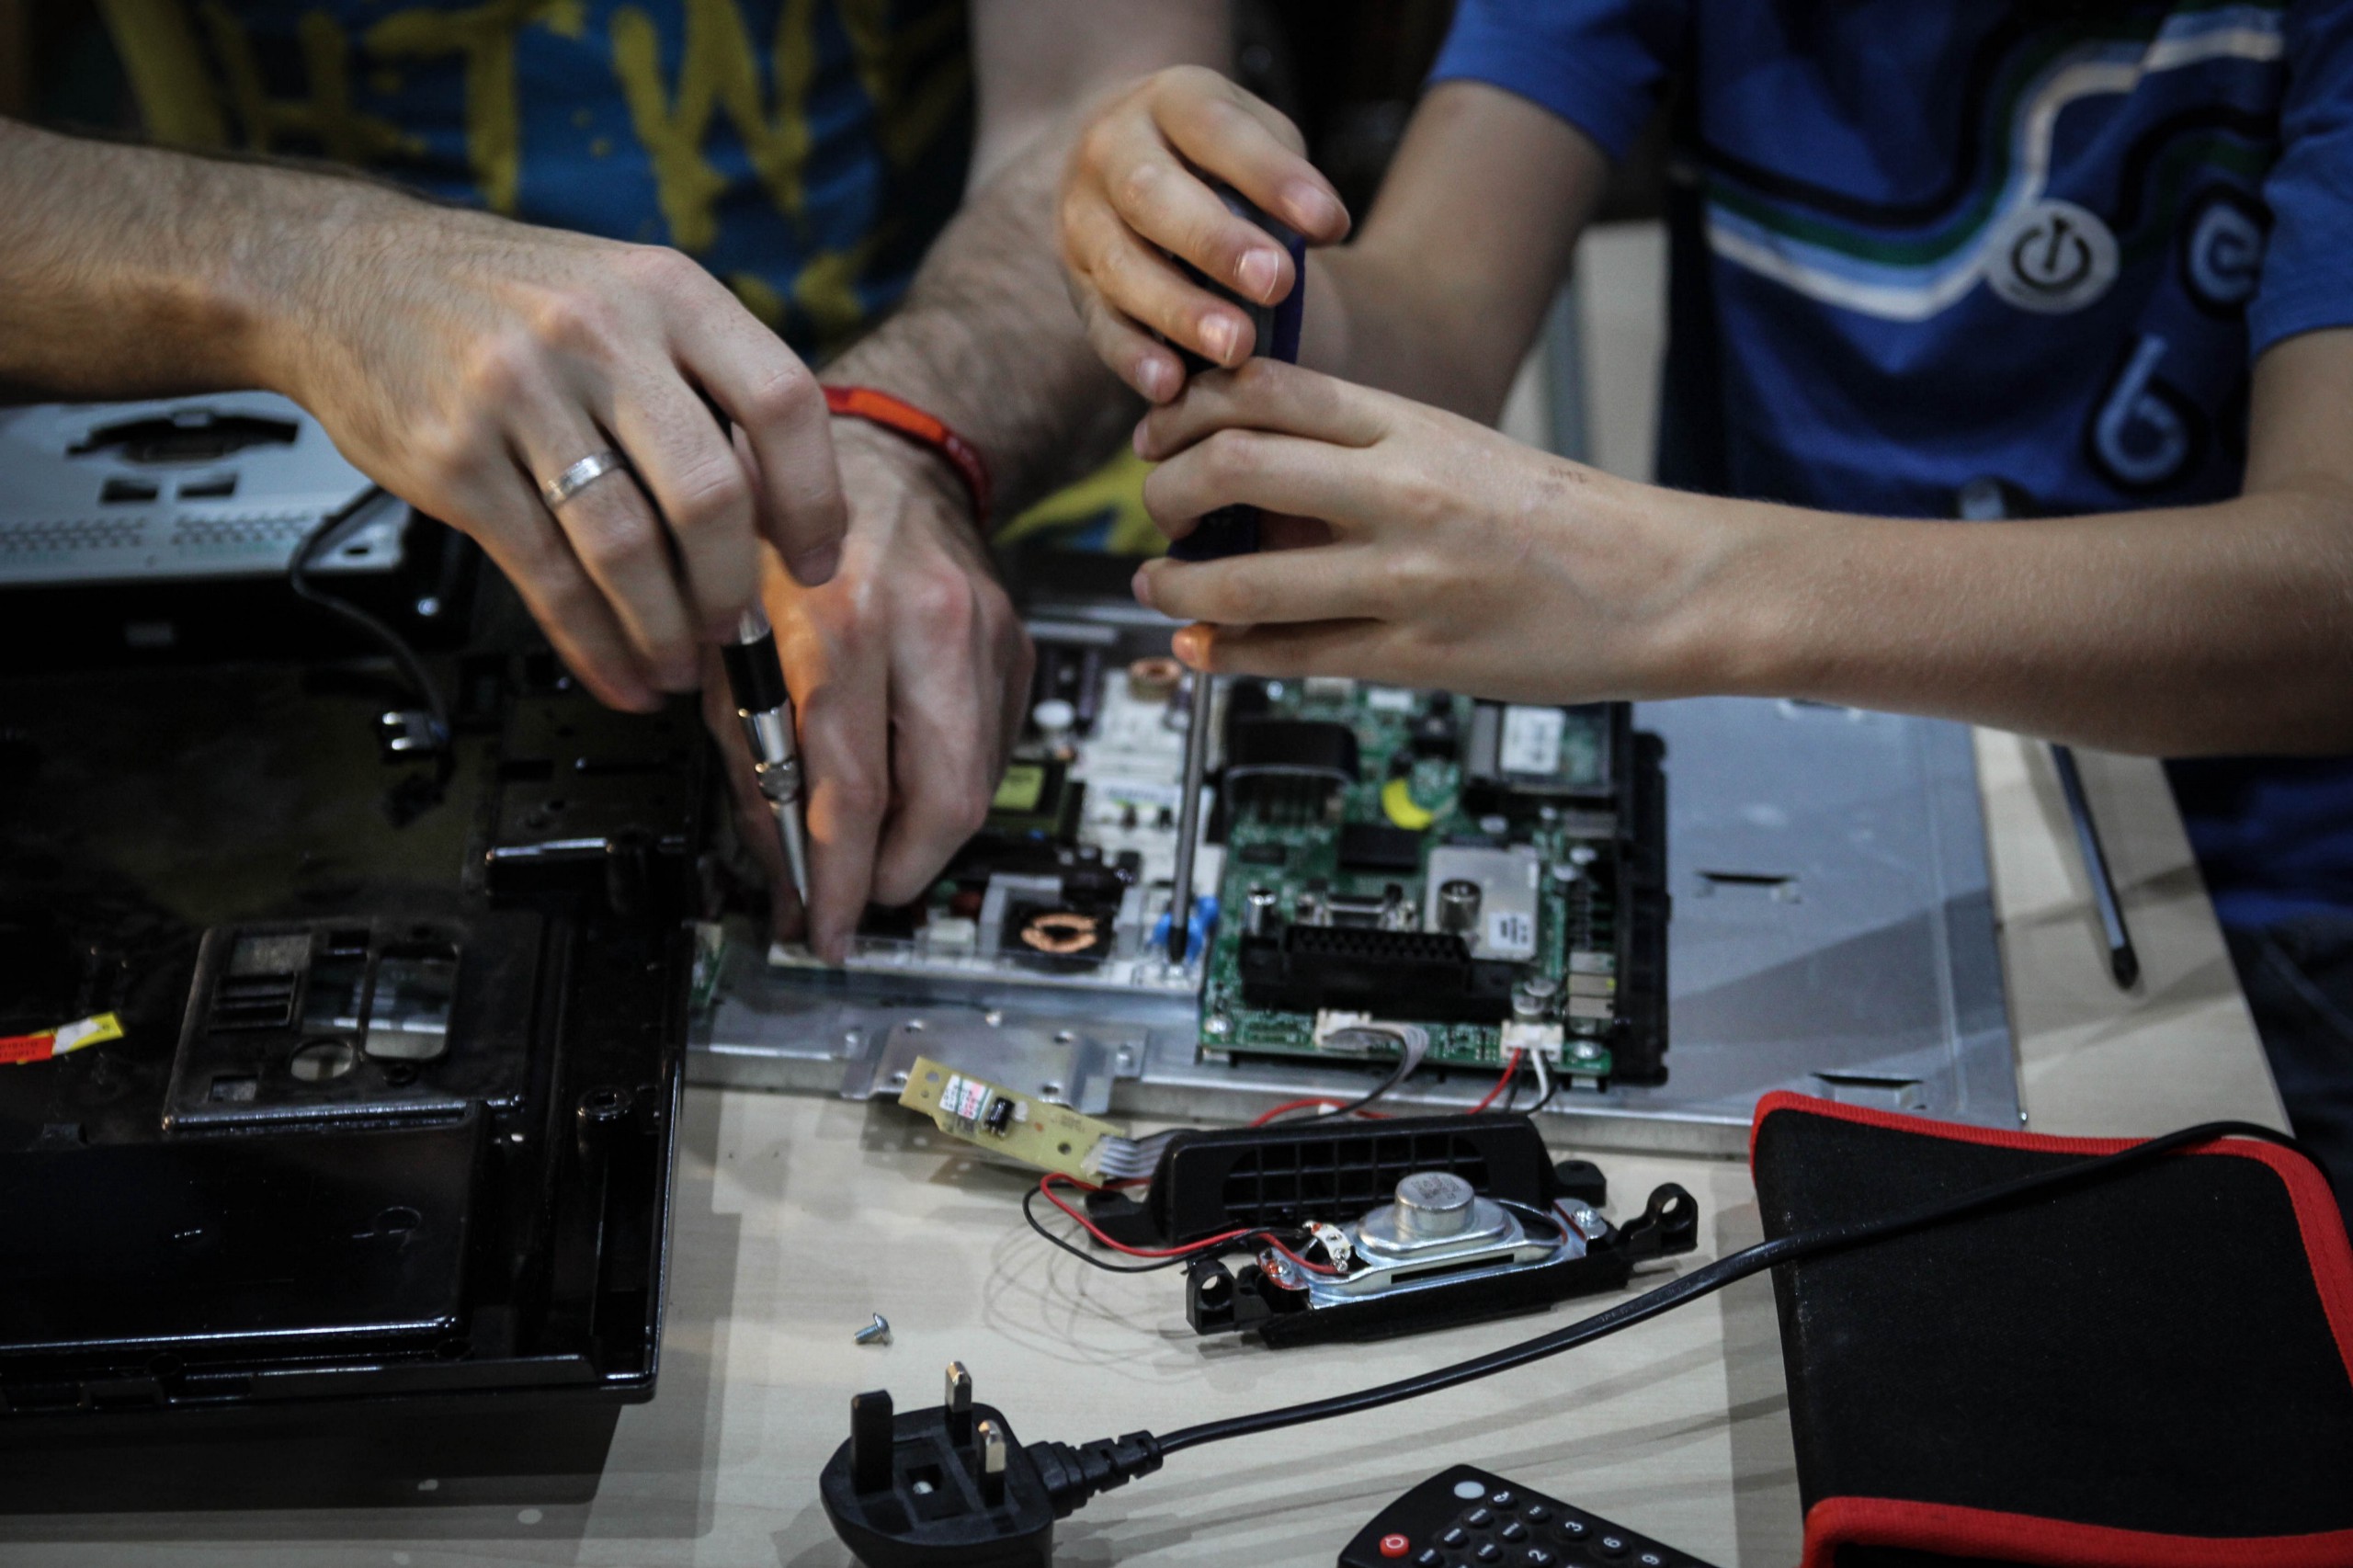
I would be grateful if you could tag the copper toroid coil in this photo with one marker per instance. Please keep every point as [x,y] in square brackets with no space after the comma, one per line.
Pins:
[1154,679]
[1061,932]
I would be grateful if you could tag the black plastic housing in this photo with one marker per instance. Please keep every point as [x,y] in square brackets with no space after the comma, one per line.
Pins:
[232,1284]
[1219,1300]
[1638,1045]
[1288,763]
[1414,976]
[1216,1180]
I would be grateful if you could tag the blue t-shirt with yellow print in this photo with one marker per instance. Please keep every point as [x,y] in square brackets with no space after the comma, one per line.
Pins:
[807,152]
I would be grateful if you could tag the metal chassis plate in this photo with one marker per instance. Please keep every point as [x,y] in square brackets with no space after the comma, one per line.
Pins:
[1832,933]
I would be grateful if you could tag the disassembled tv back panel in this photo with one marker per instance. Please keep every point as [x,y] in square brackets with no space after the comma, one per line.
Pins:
[1383,873]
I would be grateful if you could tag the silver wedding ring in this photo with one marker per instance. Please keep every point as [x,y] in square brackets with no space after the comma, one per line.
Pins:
[580,476]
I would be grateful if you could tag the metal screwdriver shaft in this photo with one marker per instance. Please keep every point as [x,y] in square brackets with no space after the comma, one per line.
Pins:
[1229,531]
[1189,820]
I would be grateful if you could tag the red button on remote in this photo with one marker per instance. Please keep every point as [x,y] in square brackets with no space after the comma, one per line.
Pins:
[1395,1546]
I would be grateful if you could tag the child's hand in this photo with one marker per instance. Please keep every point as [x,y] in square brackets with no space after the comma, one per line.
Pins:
[1453,557]
[1134,190]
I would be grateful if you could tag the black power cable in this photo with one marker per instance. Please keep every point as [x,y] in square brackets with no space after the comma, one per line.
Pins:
[1705,1280]
[394,646]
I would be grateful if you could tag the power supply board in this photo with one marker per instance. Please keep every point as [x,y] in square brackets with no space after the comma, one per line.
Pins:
[1420,870]
[1382,872]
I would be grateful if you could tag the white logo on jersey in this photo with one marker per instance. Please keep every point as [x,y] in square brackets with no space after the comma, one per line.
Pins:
[2142,433]
[2054,258]
[2222,258]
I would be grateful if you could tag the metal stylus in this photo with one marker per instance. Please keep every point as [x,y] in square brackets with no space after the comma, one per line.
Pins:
[2123,958]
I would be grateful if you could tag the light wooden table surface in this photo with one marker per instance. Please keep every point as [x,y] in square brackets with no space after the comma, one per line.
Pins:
[797,1217]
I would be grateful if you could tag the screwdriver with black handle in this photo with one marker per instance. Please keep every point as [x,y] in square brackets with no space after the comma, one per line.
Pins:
[1229,531]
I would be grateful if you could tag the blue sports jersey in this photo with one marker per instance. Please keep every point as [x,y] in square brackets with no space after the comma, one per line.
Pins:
[807,152]
[1986,248]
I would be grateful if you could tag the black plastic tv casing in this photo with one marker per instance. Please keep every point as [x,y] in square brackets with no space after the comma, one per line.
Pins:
[535,1197]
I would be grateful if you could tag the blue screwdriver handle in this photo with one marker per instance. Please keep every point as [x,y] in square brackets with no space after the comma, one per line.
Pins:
[1234,530]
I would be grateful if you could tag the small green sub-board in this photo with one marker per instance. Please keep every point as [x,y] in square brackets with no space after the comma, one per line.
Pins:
[1518,802]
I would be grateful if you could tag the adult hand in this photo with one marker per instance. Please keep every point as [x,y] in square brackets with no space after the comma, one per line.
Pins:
[458,359]
[1451,557]
[910,677]
[1134,190]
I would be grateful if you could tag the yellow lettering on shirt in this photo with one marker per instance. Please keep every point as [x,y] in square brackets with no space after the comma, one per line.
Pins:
[157,45]
[326,116]
[717,71]
[826,292]
[907,115]
[759,297]
[485,36]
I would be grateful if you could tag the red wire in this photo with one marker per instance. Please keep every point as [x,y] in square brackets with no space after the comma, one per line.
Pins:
[1289,1106]
[1046,1186]
[1511,1070]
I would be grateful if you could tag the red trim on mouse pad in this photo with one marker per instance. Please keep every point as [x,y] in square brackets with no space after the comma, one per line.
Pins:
[1955,1531]
[1951,1531]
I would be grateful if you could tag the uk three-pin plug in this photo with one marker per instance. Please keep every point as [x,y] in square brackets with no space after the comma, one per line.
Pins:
[950,1485]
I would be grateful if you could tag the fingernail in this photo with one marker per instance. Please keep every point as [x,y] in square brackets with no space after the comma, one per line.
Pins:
[1221,337]
[1160,380]
[815,568]
[1258,272]
[1192,646]
[1141,584]
[1314,209]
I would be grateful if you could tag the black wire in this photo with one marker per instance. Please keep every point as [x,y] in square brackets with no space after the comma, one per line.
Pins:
[1705,1280]
[1511,1085]
[1199,1249]
[395,646]
[1029,1213]
[1398,1074]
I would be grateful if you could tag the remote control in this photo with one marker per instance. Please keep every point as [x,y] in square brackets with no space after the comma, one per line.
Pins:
[1466,1518]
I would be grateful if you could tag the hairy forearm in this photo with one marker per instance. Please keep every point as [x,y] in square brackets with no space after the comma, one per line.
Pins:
[127,271]
[2217,628]
[987,340]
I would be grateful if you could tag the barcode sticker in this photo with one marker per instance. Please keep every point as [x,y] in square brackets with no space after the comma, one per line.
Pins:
[1532,741]
[1511,933]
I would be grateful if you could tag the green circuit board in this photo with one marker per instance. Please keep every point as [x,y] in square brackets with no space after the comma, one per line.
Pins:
[1565,839]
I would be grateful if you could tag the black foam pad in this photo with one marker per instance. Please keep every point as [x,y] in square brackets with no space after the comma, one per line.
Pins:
[2164,1353]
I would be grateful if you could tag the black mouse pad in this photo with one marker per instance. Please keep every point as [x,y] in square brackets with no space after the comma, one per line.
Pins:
[2153,1371]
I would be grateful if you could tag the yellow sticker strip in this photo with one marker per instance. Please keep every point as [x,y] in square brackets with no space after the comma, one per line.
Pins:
[22,1048]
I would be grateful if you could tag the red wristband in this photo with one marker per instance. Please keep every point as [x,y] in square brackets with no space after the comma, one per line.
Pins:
[897,414]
